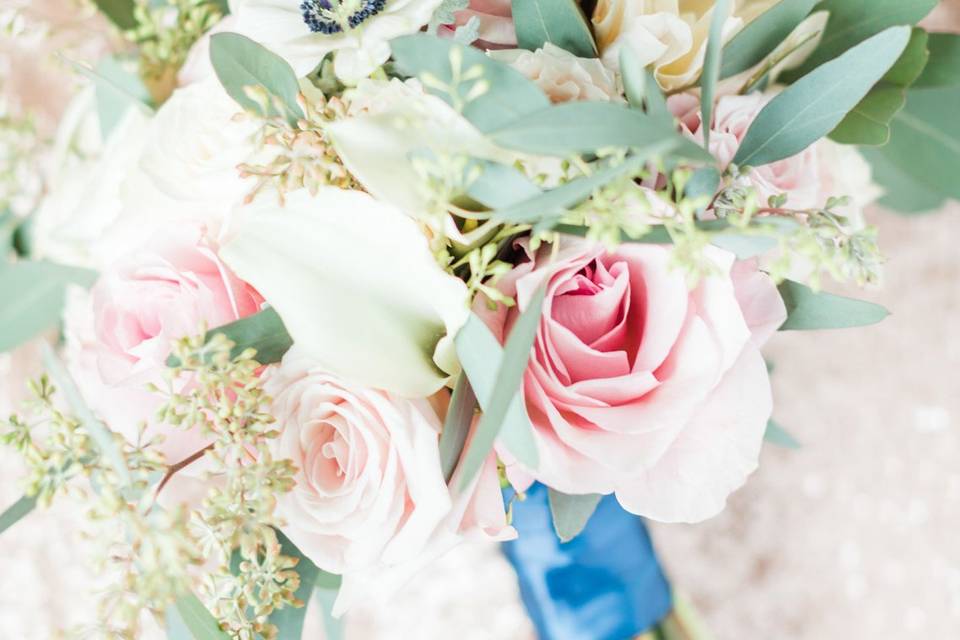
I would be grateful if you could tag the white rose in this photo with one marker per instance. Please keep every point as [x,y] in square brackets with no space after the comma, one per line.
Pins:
[189,167]
[303,33]
[370,501]
[561,75]
[356,285]
[76,220]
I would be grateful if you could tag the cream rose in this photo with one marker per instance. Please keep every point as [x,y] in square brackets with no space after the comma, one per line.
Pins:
[561,75]
[370,501]
[669,35]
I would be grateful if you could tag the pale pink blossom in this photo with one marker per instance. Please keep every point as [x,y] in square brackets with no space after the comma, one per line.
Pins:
[640,386]
[370,501]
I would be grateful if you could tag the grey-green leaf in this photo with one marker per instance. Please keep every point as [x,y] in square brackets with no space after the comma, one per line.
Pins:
[813,106]
[456,426]
[854,21]
[327,587]
[508,95]
[903,193]
[119,12]
[289,620]
[263,331]
[188,619]
[559,22]
[584,127]
[117,89]
[501,186]
[765,33]
[33,294]
[943,69]
[481,357]
[506,386]
[571,513]
[810,310]
[240,62]
[16,512]
[711,66]
[777,435]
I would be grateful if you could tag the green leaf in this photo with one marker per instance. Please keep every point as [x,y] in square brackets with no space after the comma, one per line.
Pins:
[584,127]
[903,194]
[869,122]
[550,206]
[745,246]
[101,435]
[482,359]
[943,69]
[34,296]
[711,66]
[446,13]
[325,594]
[456,426]
[641,87]
[117,89]
[501,186]
[289,620]
[775,434]
[809,310]
[239,62]
[263,331]
[758,39]
[703,183]
[813,106]
[571,513]
[508,95]
[925,141]
[222,5]
[559,22]
[119,12]
[188,619]
[15,512]
[506,385]
[854,21]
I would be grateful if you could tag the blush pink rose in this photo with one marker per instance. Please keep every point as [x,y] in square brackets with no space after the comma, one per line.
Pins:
[798,176]
[640,386]
[121,334]
[370,501]
[496,23]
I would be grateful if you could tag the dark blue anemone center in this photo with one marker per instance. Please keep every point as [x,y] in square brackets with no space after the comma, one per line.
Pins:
[321,17]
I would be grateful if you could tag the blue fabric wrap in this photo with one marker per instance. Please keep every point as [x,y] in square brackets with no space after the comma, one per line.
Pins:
[605,584]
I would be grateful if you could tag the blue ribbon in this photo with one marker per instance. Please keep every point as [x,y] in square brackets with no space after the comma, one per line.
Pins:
[605,584]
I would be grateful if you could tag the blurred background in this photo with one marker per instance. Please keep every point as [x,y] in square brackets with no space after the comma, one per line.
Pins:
[854,535]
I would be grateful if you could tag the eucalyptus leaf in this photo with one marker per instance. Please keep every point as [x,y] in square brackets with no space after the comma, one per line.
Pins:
[763,35]
[559,22]
[943,69]
[482,358]
[902,193]
[289,620]
[745,246]
[810,310]
[117,89]
[813,106]
[711,66]
[508,94]
[506,385]
[869,122]
[119,12]
[501,186]
[584,127]
[703,183]
[925,141]
[854,21]
[16,512]
[34,296]
[775,434]
[456,426]
[570,513]
[263,331]
[240,62]
[188,619]
[325,592]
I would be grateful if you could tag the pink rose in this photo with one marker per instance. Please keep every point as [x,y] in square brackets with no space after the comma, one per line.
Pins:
[797,176]
[639,386]
[496,23]
[370,501]
[121,334]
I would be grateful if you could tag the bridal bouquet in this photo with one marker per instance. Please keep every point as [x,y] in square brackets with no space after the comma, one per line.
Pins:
[312,283]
